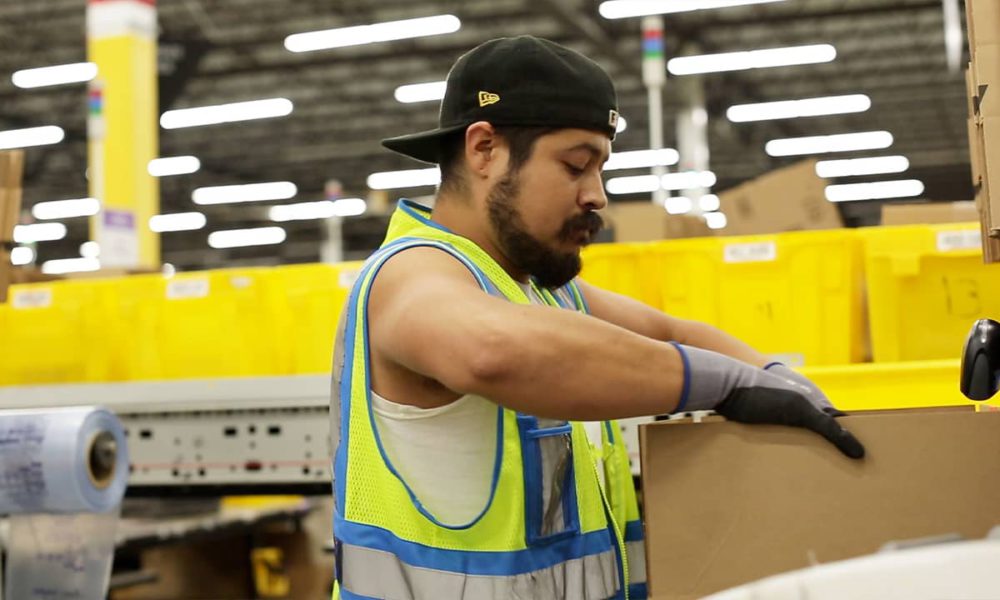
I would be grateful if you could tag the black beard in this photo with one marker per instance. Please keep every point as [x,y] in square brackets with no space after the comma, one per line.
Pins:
[550,268]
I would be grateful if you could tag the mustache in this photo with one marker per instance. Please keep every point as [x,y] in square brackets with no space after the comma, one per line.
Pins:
[591,222]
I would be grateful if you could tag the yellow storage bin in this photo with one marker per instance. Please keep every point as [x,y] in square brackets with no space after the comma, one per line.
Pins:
[927,284]
[621,268]
[795,296]
[56,332]
[315,296]
[223,323]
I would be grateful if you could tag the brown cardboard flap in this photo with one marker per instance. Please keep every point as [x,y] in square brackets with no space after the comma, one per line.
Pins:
[726,503]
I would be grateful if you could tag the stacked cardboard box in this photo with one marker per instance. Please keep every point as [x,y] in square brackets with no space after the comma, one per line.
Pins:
[984,117]
[789,199]
[646,221]
[914,213]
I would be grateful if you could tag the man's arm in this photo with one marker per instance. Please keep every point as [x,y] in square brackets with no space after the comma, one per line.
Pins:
[426,314]
[645,320]
[429,315]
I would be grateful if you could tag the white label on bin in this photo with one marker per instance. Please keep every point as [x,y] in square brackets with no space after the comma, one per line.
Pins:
[348,277]
[752,252]
[40,298]
[240,282]
[187,288]
[963,239]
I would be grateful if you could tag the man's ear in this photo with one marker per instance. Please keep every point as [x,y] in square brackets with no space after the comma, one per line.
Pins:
[481,145]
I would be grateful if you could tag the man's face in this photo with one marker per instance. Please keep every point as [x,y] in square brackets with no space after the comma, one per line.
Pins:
[543,214]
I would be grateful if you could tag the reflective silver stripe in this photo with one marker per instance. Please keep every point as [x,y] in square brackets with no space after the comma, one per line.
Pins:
[636,553]
[380,574]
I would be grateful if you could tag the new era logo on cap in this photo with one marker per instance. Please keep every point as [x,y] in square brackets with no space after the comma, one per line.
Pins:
[613,118]
[486,98]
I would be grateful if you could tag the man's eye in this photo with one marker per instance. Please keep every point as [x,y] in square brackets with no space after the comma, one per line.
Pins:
[574,170]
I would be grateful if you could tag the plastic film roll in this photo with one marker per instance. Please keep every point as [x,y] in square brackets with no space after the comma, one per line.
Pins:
[61,460]
[63,473]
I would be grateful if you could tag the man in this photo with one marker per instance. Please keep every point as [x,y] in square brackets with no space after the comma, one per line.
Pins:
[461,379]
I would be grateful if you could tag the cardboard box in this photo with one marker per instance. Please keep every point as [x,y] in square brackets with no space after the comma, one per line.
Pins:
[983,17]
[645,221]
[788,199]
[726,504]
[929,212]
[986,67]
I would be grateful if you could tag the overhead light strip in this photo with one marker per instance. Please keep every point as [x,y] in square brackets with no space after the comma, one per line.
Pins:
[185,221]
[637,159]
[31,136]
[173,165]
[54,75]
[880,190]
[622,9]
[66,209]
[370,34]
[794,109]
[752,59]
[238,238]
[854,167]
[267,108]
[390,180]
[824,144]
[39,232]
[250,192]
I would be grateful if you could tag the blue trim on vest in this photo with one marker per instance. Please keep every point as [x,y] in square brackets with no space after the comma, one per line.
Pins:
[637,591]
[384,255]
[578,295]
[773,364]
[610,431]
[531,457]
[345,595]
[513,562]
[416,210]
[686,387]
[633,531]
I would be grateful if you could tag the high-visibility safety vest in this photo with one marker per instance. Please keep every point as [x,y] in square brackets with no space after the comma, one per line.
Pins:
[550,528]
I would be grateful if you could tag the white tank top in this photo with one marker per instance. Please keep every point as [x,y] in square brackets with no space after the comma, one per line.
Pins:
[447,454]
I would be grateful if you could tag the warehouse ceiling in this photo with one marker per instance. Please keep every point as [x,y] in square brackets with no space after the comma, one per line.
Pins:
[220,51]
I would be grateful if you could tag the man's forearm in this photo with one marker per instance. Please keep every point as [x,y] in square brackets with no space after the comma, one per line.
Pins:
[702,335]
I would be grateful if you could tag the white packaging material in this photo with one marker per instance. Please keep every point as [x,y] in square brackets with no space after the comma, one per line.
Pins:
[63,473]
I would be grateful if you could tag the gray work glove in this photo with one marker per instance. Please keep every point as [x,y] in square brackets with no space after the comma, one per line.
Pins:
[748,394]
[808,388]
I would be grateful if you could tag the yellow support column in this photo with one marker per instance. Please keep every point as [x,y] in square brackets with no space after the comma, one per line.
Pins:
[123,131]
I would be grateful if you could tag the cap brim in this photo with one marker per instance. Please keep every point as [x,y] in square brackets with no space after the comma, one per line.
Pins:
[425,146]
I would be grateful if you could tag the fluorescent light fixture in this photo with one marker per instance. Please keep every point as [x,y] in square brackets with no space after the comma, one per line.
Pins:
[822,144]
[678,205]
[90,249]
[70,265]
[185,221]
[709,203]
[323,209]
[250,192]
[752,59]
[633,185]
[621,9]
[420,92]
[55,75]
[39,232]
[173,165]
[715,220]
[793,109]
[389,180]
[226,113]
[688,180]
[21,255]
[31,136]
[238,238]
[622,124]
[904,188]
[66,209]
[637,159]
[369,34]
[862,166]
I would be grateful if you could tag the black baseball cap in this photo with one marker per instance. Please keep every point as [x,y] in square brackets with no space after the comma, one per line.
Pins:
[524,80]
